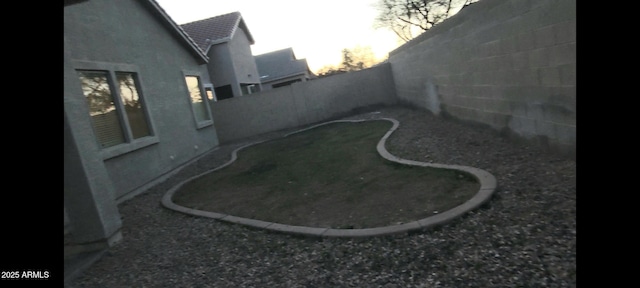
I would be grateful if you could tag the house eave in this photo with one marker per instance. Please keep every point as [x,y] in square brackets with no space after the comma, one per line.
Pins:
[182,36]
[243,26]
[218,41]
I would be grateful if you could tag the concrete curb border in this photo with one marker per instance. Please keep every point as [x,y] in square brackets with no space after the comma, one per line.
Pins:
[488,185]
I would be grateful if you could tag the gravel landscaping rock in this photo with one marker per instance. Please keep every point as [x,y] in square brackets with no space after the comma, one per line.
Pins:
[524,236]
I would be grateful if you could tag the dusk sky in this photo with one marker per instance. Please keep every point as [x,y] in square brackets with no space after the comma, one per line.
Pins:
[316,30]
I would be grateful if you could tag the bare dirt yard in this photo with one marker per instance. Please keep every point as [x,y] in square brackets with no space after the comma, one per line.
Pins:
[330,177]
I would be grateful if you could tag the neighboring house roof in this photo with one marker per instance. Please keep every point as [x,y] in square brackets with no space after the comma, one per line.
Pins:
[280,64]
[216,30]
[176,30]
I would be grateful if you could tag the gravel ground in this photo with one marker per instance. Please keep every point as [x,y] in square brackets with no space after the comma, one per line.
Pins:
[525,236]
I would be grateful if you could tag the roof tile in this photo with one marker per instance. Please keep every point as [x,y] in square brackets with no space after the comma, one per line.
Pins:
[215,29]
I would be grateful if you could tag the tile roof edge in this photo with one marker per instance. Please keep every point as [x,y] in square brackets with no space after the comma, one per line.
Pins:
[219,41]
[239,22]
[184,35]
[235,26]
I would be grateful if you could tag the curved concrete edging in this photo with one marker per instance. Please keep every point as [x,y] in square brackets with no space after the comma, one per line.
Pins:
[488,185]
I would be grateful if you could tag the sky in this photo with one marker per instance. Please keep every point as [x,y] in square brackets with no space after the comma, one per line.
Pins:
[316,30]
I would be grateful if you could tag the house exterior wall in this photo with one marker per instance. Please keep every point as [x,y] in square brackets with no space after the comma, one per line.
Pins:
[510,65]
[89,196]
[303,103]
[231,63]
[99,32]
[220,64]
[245,65]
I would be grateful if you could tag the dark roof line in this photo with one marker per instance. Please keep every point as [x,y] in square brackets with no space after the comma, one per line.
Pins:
[279,64]
[179,32]
[217,29]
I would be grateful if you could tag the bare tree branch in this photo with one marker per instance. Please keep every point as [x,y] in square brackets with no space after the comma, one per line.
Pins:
[404,17]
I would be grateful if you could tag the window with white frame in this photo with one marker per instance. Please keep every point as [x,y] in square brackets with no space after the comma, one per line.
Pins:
[116,106]
[199,101]
[211,94]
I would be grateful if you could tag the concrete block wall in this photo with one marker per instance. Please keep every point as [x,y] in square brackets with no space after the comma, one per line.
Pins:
[507,64]
[302,103]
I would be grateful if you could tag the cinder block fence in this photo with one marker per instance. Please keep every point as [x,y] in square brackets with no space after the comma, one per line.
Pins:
[505,64]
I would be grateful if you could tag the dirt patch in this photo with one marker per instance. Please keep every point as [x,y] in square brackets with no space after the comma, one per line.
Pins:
[330,177]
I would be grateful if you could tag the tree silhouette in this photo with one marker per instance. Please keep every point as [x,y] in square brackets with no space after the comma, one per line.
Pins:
[96,89]
[126,81]
[408,18]
[353,59]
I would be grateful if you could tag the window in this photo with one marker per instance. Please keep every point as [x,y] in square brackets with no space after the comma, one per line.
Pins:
[117,110]
[199,101]
[102,108]
[133,105]
[211,95]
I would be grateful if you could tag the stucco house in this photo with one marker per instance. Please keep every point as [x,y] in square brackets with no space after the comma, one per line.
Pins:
[134,113]
[227,41]
[281,68]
